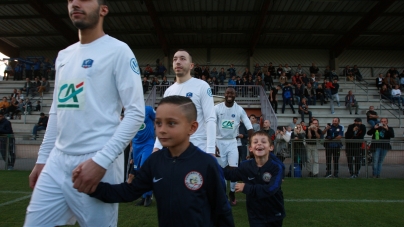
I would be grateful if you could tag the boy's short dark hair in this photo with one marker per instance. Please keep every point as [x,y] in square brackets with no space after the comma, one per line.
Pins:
[261,133]
[186,105]
[42,114]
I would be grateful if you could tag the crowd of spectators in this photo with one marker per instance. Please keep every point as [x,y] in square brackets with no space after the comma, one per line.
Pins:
[30,67]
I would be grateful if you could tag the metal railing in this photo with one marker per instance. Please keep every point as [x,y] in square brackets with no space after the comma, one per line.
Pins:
[296,163]
[364,86]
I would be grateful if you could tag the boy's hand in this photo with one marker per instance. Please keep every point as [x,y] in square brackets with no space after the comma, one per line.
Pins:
[155,149]
[239,187]
[130,178]
[217,152]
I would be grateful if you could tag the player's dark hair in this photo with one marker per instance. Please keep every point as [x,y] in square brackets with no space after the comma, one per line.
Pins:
[190,55]
[186,105]
[261,133]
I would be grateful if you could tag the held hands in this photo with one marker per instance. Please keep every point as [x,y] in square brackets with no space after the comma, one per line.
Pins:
[240,187]
[87,175]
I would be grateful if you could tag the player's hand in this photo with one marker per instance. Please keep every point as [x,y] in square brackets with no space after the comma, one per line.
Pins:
[239,187]
[89,175]
[33,177]
[131,161]
[155,149]
[130,178]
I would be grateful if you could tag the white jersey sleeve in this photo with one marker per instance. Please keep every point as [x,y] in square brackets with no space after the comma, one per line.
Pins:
[208,111]
[245,119]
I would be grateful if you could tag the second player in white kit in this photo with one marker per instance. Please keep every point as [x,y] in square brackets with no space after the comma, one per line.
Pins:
[228,117]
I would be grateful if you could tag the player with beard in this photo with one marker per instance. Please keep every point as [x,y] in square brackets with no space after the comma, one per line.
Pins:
[228,115]
[201,95]
[84,129]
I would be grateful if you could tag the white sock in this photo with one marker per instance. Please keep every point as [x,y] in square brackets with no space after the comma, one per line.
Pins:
[233,186]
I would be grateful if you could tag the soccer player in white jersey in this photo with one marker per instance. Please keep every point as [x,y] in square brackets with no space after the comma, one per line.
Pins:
[229,114]
[95,78]
[201,95]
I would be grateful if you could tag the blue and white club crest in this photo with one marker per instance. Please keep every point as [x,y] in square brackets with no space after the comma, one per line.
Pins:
[233,115]
[189,95]
[209,92]
[87,63]
[134,66]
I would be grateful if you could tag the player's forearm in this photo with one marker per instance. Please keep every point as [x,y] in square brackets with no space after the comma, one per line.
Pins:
[210,137]
[49,140]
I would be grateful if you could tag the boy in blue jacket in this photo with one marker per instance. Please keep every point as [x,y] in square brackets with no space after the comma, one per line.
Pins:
[262,179]
[188,183]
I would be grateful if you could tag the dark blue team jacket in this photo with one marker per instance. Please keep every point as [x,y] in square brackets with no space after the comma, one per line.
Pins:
[189,189]
[262,188]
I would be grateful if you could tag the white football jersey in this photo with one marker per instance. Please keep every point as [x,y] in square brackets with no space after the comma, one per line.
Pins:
[228,120]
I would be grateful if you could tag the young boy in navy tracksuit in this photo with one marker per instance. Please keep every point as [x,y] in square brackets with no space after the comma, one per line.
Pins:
[188,183]
[262,179]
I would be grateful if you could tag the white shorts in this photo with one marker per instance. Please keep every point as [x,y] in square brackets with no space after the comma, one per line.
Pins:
[228,152]
[55,202]
[200,143]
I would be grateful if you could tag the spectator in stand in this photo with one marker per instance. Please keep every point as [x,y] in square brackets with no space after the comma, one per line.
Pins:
[165,84]
[35,85]
[266,127]
[46,68]
[327,89]
[392,71]
[197,71]
[299,93]
[244,81]
[273,99]
[232,71]
[28,106]
[320,94]
[8,71]
[271,69]
[258,82]
[310,94]
[353,149]
[379,81]
[206,71]
[154,82]
[396,96]
[214,73]
[282,138]
[333,134]
[313,81]
[37,68]
[20,108]
[279,71]
[242,141]
[283,79]
[203,78]
[145,85]
[14,94]
[41,125]
[222,76]
[269,82]
[313,132]
[37,106]
[305,79]
[296,79]
[232,81]
[161,70]
[357,73]
[6,129]
[4,105]
[257,70]
[383,133]
[347,71]
[28,69]
[13,108]
[299,149]
[287,95]
[314,69]
[27,86]
[387,80]
[402,80]
[394,81]
[253,120]
[304,109]
[299,69]
[247,73]
[292,125]
[18,71]
[372,117]
[288,71]
[44,87]
[239,89]
[215,85]
[385,92]
[148,71]
[250,83]
[335,96]
[350,101]
[264,69]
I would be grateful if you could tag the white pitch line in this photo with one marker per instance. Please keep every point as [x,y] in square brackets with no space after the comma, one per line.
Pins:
[15,200]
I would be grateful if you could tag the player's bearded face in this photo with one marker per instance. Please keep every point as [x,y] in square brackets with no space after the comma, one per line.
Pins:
[84,19]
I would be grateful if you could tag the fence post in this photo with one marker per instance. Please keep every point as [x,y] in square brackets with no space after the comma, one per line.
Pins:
[292,156]
[7,152]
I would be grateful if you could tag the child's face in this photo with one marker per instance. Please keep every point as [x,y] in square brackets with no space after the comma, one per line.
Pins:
[172,126]
[260,146]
